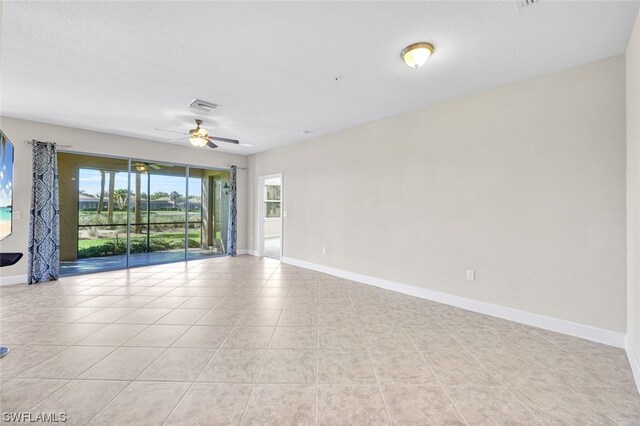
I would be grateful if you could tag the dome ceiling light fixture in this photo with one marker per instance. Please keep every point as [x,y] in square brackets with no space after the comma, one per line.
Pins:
[415,55]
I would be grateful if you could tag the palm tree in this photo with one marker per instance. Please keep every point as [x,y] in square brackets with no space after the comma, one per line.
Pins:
[112,184]
[121,196]
[175,196]
[101,197]
[138,211]
[158,195]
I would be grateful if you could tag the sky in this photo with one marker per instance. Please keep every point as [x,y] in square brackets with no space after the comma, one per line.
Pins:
[89,180]
[6,173]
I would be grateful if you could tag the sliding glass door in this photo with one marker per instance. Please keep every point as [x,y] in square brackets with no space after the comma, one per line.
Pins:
[208,212]
[197,225]
[101,218]
[119,213]
[156,212]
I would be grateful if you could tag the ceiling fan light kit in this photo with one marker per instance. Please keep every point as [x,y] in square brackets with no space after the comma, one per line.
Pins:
[199,137]
[144,167]
[198,142]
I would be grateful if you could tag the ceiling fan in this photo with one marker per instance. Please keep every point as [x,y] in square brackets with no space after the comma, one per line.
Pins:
[144,166]
[199,137]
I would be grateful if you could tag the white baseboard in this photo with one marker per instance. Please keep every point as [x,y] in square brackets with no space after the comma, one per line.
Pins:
[607,337]
[634,362]
[248,252]
[13,279]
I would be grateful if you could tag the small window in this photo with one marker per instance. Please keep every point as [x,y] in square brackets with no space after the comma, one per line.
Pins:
[272,201]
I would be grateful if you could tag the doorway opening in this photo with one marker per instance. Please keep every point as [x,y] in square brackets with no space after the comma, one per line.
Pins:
[271,212]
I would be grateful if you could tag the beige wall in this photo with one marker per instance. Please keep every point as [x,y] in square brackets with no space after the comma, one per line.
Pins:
[104,144]
[525,184]
[633,191]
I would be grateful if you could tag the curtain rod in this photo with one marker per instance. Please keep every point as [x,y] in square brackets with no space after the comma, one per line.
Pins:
[32,141]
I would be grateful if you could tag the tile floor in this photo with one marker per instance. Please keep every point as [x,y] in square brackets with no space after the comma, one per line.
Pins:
[249,341]
[107,263]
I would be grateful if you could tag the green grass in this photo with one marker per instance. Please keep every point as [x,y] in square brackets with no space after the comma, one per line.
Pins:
[170,236]
[160,220]
[158,216]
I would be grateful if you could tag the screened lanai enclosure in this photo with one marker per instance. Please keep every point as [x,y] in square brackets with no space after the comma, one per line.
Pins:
[123,212]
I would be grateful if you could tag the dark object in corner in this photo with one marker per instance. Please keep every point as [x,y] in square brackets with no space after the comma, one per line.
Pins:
[8,259]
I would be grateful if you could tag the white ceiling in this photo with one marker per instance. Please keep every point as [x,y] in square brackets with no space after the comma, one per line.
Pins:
[277,69]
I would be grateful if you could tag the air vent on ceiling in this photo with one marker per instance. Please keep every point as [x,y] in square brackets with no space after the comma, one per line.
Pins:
[525,4]
[202,105]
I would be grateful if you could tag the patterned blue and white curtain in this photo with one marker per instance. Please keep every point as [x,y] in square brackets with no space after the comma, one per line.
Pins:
[44,221]
[233,215]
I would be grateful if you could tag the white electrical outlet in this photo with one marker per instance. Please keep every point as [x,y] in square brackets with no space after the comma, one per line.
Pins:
[324,250]
[17,215]
[284,213]
[471,275]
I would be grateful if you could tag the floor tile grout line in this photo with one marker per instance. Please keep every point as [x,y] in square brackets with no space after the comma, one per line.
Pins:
[77,375]
[160,355]
[292,383]
[215,352]
[110,402]
[538,333]
[317,362]
[583,399]
[46,359]
[500,382]
[49,395]
[444,389]
[255,383]
[178,403]
[375,373]
[74,377]
[122,345]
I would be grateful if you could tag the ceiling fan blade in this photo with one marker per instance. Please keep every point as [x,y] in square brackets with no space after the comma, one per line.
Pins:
[215,138]
[155,166]
[173,131]
[211,145]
